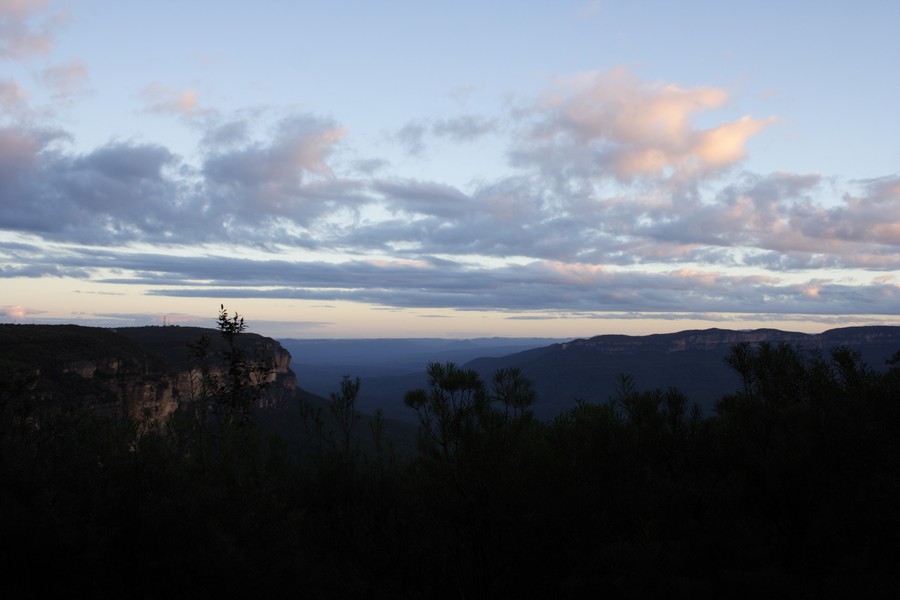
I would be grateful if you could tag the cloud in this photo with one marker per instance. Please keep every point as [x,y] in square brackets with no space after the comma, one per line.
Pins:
[423,198]
[614,125]
[299,147]
[414,136]
[618,203]
[725,145]
[65,79]
[228,134]
[162,99]
[136,192]
[18,312]
[13,99]
[20,154]
[286,177]
[370,166]
[464,128]
[283,189]
[411,137]
[20,35]
[118,191]
[538,286]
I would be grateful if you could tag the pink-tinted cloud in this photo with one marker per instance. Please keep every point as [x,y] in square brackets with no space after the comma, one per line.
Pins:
[726,144]
[18,149]
[66,79]
[13,99]
[18,312]
[634,128]
[20,37]
[162,99]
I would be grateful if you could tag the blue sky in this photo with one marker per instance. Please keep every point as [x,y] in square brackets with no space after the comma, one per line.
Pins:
[415,169]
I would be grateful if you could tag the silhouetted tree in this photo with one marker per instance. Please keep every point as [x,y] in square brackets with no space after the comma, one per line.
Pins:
[343,407]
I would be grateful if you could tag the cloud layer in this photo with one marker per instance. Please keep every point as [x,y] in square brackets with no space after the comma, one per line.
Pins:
[615,199]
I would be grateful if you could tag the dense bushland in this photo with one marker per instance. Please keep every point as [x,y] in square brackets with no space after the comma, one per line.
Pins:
[790,488]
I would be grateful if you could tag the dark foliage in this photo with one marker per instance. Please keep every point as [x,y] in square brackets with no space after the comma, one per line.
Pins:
[790,489]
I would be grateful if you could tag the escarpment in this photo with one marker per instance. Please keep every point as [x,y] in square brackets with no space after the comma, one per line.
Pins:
[137,371]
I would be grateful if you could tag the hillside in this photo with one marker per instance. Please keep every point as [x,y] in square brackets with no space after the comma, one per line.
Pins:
[563,371]
[389,367]
[692,361]
[131,369]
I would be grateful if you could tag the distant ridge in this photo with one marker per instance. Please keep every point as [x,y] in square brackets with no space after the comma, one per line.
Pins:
[695,339]
[389,367]
[563,370]
[690,360]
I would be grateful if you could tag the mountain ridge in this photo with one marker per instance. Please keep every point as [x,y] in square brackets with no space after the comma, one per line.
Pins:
[588,369]
[563,372]
[691,360]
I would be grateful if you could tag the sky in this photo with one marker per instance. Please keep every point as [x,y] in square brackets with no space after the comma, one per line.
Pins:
[359,169]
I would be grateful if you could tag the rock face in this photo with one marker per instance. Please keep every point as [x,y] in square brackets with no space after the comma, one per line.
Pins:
[141,390]
[138,372]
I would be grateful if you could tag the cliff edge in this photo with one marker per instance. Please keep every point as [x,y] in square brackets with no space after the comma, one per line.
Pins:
[134,371]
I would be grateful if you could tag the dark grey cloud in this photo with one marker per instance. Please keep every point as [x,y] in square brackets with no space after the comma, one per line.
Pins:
[424,198]
[117,192]
[131,192]
[42,269]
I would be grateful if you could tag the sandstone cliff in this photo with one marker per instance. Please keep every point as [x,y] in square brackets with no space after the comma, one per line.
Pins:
[139,371]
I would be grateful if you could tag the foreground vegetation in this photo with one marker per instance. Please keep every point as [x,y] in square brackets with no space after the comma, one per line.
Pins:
[790,488]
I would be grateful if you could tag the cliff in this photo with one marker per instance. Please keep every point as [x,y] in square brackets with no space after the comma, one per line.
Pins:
[136,371]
